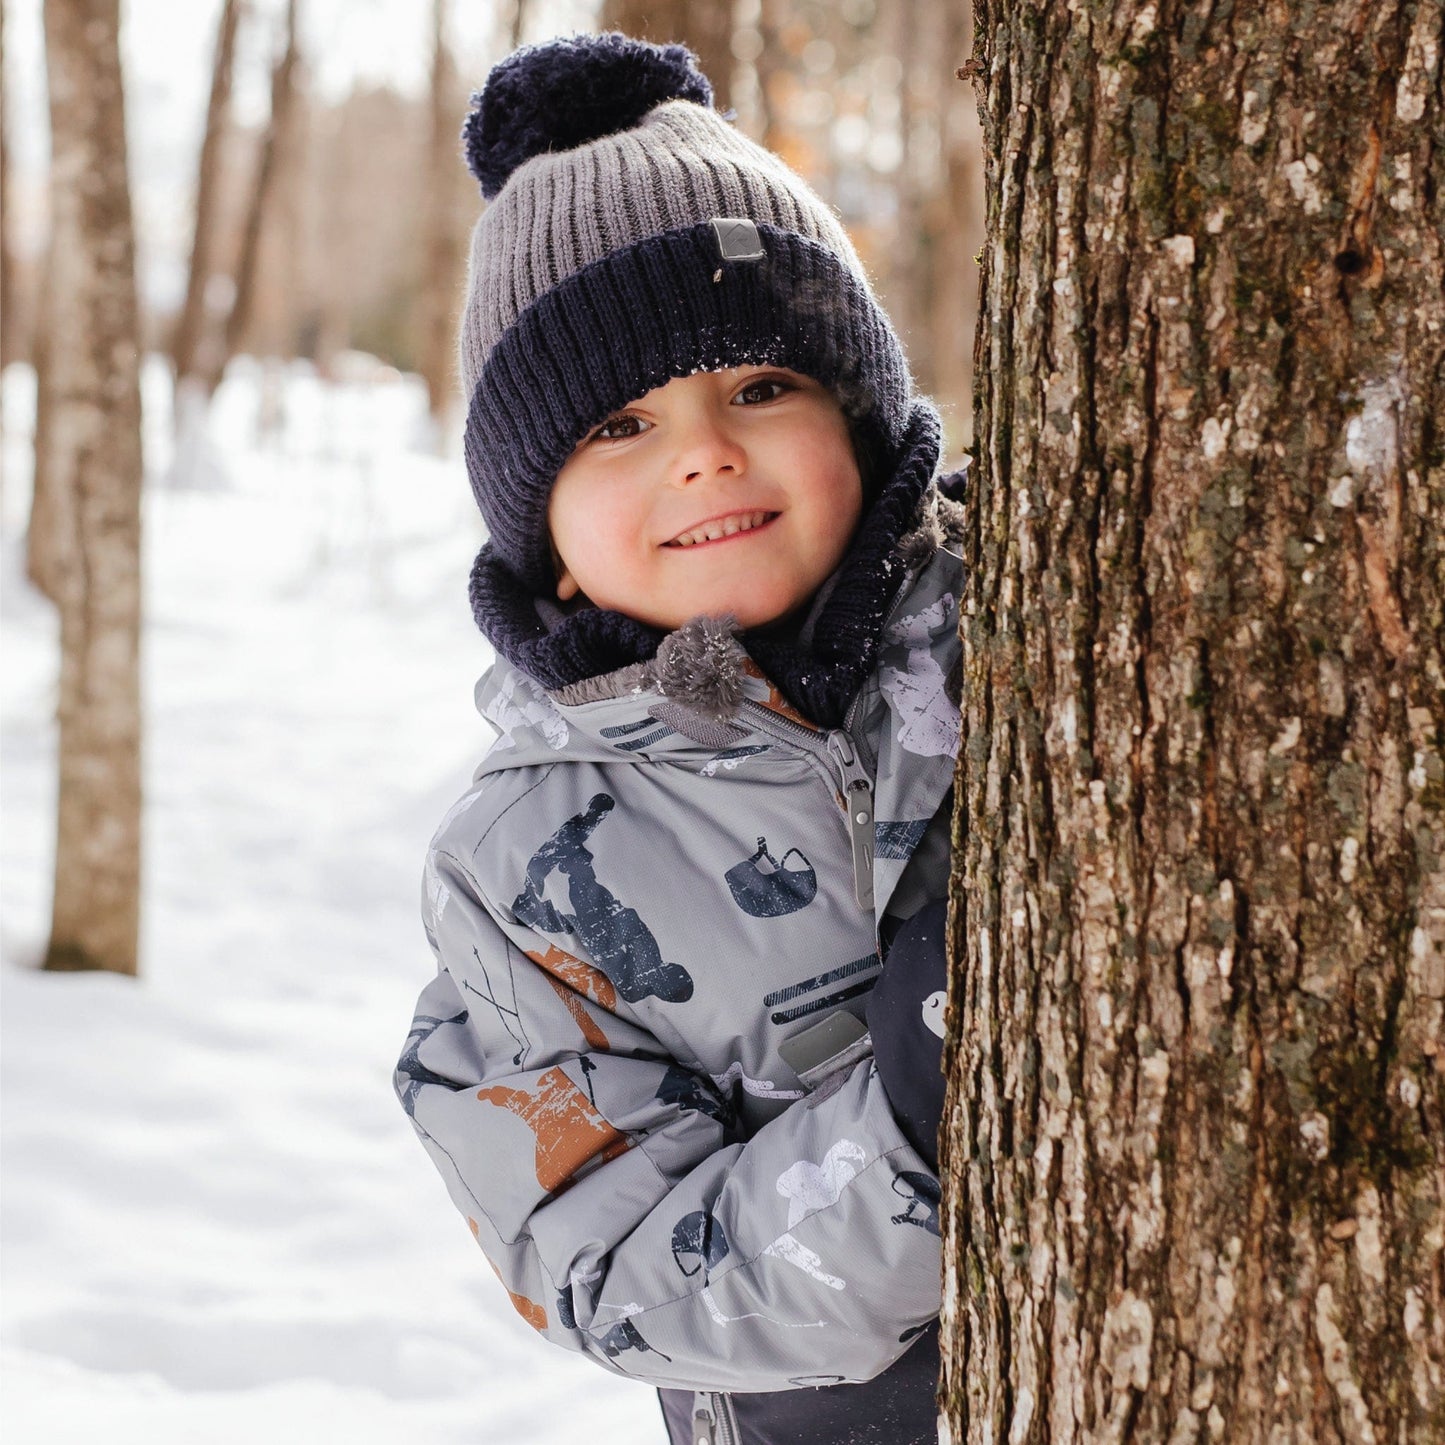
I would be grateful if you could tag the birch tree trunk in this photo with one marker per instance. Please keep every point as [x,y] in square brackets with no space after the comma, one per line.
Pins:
[1197,1136]
[93,460]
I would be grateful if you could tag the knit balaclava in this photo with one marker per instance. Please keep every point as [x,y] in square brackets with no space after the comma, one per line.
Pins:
[634,235]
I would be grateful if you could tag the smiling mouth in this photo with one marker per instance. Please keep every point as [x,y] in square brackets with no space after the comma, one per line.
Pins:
[721,528]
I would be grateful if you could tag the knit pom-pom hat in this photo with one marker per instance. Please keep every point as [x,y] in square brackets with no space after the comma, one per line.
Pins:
[634,235]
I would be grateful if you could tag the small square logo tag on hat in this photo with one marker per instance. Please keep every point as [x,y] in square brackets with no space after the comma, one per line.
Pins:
[737,239]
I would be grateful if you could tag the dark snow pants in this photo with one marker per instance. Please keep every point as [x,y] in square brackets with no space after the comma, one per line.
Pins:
[896,1408]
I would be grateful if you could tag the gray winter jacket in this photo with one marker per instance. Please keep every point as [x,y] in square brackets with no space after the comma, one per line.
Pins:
[659,885]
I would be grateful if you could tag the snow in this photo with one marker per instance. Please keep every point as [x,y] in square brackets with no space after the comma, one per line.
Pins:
[217,1224]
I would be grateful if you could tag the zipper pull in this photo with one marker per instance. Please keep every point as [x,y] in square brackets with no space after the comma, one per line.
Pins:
[858,802]
[702,1421]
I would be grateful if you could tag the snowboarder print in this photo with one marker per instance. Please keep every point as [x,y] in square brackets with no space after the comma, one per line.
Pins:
[410,1066]
[687,1091]
[619,942]
[767,887]
[520,703]
[928,717]
[570,1132]
[809,1187]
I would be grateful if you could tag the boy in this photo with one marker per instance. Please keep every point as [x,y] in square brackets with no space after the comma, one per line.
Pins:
[727,702]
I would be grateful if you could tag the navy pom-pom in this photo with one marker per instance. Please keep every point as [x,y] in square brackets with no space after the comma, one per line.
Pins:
[565,93]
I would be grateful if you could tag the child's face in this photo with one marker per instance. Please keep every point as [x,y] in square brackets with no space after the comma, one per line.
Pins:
[727,491]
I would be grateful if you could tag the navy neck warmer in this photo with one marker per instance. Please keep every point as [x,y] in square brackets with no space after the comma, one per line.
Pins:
[819,677]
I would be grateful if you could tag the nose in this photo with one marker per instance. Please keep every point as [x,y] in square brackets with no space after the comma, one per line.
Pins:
[707,448]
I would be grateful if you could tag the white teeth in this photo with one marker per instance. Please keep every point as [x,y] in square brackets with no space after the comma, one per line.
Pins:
[744,522]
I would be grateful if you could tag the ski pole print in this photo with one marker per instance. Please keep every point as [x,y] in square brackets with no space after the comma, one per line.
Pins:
[569,1130]
[614,935]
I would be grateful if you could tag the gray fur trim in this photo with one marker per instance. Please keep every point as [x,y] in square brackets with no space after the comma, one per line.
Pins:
[940,521]
[700,666]
[701,730]
[605,685]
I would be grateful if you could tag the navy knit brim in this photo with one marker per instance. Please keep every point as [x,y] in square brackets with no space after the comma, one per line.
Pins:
[665,307]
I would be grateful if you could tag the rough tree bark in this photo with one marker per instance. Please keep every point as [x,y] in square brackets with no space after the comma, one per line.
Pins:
[193,328]
[93,459]
[1197,1136]
[704,26]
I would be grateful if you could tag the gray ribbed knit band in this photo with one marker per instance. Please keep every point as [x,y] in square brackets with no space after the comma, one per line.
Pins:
[682,164]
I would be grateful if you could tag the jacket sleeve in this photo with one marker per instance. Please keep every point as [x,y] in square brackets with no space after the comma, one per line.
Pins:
[614,1195]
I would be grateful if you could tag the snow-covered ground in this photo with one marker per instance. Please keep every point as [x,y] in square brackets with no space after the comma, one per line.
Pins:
[217,1226]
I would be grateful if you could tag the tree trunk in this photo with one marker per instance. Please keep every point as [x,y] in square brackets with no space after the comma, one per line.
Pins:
[957,223]
[193,330]
[9,339]
[1196,1153]
[94,462]
[263,194]
[704,26]
[443,247]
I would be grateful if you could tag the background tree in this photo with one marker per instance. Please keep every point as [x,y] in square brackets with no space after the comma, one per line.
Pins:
[9,340]
[442,264]
[1197,1144]
[704,26]
[93,461]
[193,326]
[266,190]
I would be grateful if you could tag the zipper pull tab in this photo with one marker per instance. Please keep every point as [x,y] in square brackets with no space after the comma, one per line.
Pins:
[858,802]
[702,1421]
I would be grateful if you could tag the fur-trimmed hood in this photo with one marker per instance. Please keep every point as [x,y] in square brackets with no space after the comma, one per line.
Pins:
[700,678]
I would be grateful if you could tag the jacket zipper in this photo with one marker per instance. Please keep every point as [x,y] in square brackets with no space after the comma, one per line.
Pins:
[713,1419]
[857,785]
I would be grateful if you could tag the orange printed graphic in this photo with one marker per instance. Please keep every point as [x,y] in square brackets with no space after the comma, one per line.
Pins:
[577,975]
[596,1039]
[529,1310]
[776,701]
[569,977]
[569,1130]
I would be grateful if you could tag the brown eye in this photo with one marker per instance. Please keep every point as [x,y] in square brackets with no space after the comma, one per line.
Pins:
[619,428]
[765,388]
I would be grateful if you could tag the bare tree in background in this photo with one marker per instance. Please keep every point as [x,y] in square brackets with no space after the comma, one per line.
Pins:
[194,328]
[519,21]
[440,275]
[704,26]
[9,339]
[92,451]
[1195,1159]
[263,196]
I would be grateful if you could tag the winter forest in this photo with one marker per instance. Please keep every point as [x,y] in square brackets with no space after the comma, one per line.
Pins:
[1173,272]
